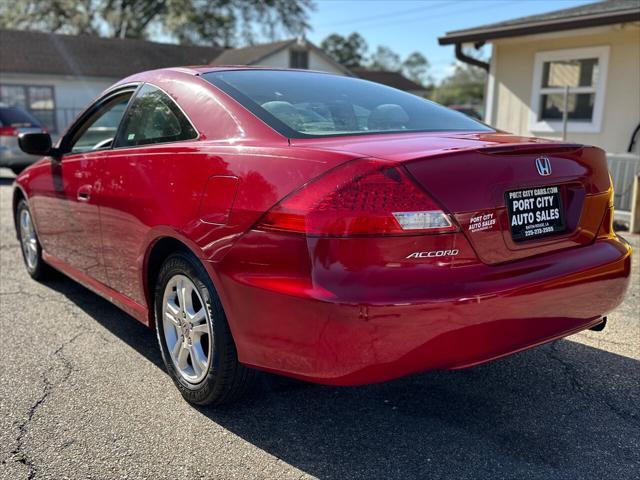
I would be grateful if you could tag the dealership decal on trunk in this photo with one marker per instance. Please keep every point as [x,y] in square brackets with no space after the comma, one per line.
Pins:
[535,212]
[482,222]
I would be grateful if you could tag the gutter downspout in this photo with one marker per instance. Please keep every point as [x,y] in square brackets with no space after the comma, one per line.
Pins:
[460,55]
[488,97]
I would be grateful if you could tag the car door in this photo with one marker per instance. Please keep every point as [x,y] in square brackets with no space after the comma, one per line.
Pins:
[77,183]
[140,180]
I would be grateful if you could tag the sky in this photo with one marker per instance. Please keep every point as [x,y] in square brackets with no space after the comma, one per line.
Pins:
[415,25]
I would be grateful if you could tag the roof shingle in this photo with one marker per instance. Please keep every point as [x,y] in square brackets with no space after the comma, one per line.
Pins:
[47,53]
[251,54]
[592,14]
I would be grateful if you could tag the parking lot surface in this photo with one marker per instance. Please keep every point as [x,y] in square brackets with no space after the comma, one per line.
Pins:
[84,395]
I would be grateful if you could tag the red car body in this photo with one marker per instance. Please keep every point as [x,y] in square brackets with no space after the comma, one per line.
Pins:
[331,309]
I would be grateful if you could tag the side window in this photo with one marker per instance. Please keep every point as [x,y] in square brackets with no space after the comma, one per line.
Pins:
[153,118]
[100,129]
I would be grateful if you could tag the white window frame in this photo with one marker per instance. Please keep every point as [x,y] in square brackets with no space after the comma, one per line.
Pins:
[595,125]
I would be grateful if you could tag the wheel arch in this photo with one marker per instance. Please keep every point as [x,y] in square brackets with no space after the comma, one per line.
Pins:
[18,194]
[157,253]
[164,243]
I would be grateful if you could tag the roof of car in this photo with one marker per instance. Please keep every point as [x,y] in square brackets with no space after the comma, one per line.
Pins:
[202,69]
[195,70]
[199,69]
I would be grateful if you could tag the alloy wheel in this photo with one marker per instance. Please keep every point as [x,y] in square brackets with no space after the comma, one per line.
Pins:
[28,239]
[187,329]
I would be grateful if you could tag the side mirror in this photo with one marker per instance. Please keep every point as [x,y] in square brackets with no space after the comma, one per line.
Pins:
[35,143]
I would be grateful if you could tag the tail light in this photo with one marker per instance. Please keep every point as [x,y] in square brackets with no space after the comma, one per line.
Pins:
[8,132]
[362,197]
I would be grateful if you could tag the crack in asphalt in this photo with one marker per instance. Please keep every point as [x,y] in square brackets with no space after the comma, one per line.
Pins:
[32,294]
[54,298]
[19,454]
[553,352]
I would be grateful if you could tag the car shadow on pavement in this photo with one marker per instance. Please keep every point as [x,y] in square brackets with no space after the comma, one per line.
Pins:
[120,324]
[563,410]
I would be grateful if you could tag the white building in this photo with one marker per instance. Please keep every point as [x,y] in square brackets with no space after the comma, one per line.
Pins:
[592,51]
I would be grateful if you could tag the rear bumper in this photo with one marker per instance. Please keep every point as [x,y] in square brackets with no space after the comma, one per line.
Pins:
[465,316]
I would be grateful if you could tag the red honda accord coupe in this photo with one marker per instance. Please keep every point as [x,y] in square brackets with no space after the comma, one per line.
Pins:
[318,226]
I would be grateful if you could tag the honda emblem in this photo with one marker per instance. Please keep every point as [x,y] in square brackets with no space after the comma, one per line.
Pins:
[543,164]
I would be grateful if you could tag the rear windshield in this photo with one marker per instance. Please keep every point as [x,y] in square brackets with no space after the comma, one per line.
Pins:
[16,117]
[307,104]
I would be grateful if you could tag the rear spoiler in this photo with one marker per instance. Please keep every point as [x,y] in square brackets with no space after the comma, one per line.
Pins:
[529,148]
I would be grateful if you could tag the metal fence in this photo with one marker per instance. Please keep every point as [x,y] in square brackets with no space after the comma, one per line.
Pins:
[623,167]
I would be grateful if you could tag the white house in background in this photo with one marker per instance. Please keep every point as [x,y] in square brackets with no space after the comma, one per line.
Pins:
[55,76]
[292,53]
[594,50]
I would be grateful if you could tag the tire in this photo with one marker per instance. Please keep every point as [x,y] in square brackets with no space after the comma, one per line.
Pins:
[17,169]
[180,328]
[29,243]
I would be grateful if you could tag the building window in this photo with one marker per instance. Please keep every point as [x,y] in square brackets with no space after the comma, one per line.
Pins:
[36,99]
[299,59]
[583,71]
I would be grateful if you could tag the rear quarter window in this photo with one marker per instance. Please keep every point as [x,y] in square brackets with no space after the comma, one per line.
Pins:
[153,117]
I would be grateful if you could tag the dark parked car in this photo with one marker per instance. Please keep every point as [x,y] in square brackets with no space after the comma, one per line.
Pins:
[13,122]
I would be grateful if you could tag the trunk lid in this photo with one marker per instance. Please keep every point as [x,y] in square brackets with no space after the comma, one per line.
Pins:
[475,185]
[469,175]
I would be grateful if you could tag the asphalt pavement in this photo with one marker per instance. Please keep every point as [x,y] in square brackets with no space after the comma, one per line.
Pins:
[83,394]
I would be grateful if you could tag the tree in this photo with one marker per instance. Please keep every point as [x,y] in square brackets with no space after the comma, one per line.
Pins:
[214,22]
[63,16]
[385,59]
[351,52]
[464,86]
[416,67]
[131,18]
[223,22]
[348,51]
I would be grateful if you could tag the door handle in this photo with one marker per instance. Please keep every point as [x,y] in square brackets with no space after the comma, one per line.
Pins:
[84,193]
